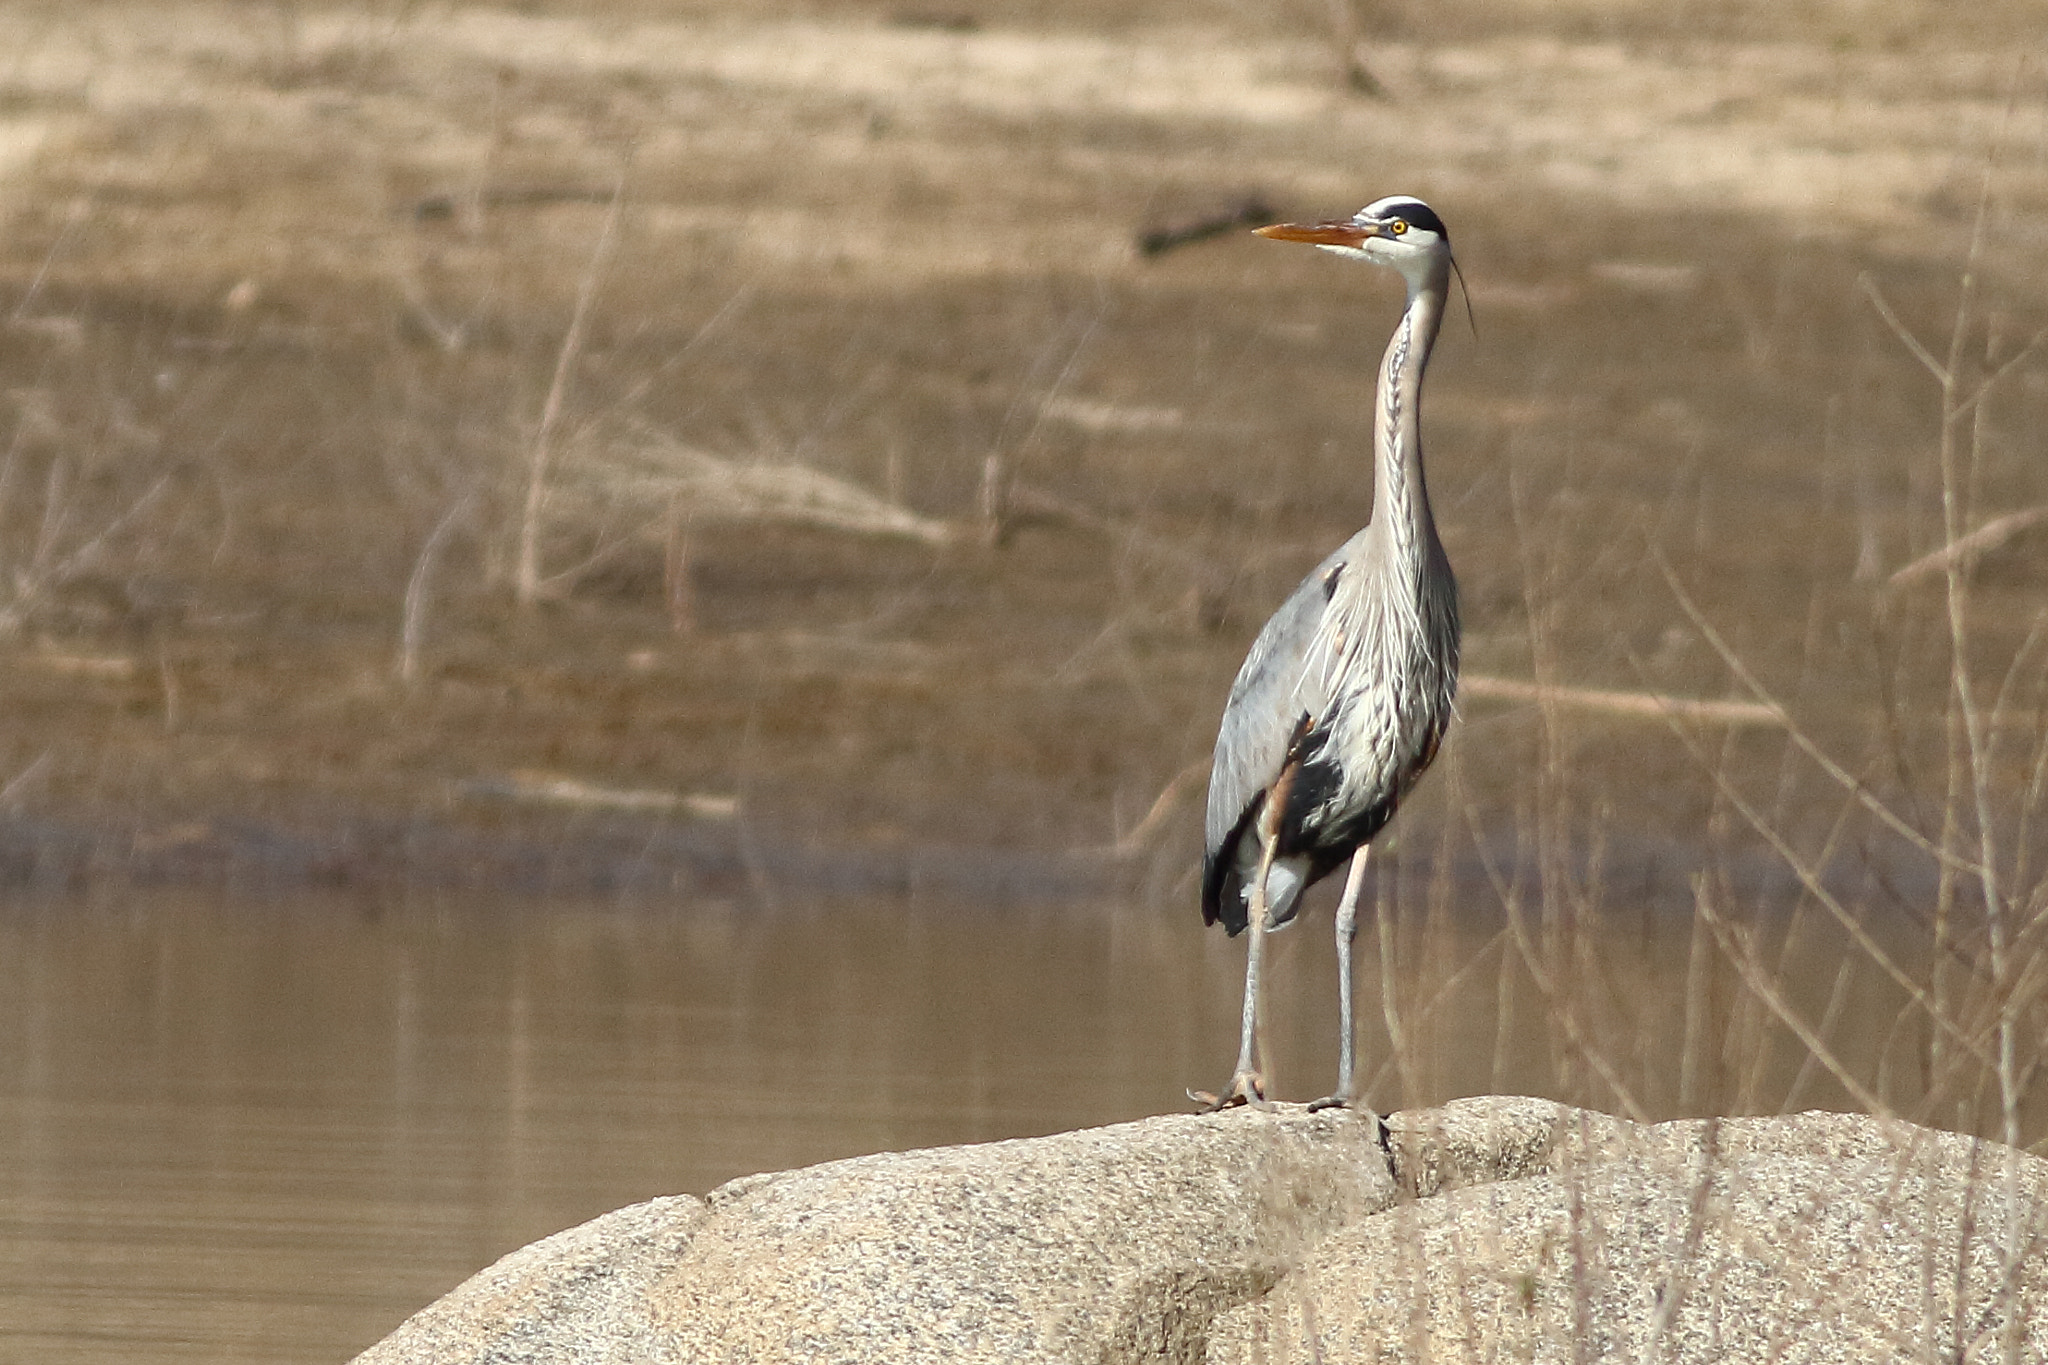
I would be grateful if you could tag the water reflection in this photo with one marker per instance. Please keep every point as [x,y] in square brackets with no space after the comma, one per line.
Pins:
[271,1131]
[242,1132]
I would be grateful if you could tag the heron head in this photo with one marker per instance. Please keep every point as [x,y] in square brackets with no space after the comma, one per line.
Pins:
[1399,231]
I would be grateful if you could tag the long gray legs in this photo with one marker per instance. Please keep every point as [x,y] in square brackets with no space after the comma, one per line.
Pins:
[1347,1039]
[1247,1086]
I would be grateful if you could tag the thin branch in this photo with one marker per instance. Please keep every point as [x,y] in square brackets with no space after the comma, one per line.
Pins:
[1827,764]
[1810,878]
[1653,704]
[1547,984]
[1960,553]
[2012,362]
[1912,343]
[529,577]
[20,782]
[737,302]
[414,624]
[1130,844]
[74,217]
[1761,986]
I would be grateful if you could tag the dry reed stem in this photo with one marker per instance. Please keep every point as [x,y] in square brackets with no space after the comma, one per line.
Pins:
[1445,996]
[1511,902]
[1761,985]
[1964,552]
[556,790]
[19,784]
[528,582]
[735,303]
[666,473]
[998,468]
[1140,835]
[1827,764]
[1649,704]
[45,570]
[413,628]
[1971,717]
[1809,877]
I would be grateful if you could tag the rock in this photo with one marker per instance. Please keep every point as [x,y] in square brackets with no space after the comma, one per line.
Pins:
[579,1295]
[1519,1229]
[1818,1237]
[1110,1243]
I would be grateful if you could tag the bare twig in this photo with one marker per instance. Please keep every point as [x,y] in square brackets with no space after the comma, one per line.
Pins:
[1671,1293]
[1809,877]
[554,789]
[74,218]
[711,488]
[1651,704]
[1901,331]
[735,303]
[23,780]
[1246,212]
[1766,990]
[1848,780]
[411,631]
[1966,550]
[1511,902]
[1134,841]
[529,576]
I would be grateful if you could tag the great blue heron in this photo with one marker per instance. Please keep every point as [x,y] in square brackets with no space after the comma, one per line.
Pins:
[1347,691]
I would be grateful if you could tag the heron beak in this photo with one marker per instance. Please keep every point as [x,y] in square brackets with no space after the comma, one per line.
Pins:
[1344,233]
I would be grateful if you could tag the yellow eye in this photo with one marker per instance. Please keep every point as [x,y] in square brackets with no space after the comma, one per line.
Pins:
[1398,226]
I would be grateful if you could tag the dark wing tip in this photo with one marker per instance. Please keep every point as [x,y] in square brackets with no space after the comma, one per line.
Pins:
[1222,894]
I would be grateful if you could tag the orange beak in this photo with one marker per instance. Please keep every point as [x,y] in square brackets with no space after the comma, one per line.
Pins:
[1344,233]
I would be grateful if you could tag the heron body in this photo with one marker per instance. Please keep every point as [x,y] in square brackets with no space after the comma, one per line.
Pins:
[1347,691]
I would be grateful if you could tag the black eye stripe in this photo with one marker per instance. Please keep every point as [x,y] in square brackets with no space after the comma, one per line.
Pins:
[1416,214]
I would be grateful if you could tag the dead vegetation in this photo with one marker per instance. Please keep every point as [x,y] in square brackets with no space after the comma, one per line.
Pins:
[518,421]
[472,393]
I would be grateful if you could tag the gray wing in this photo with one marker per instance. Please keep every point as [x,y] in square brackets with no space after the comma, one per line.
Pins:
[1274,689]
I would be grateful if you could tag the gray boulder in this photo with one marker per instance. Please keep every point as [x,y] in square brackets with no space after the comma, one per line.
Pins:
[1118,1242]
[580,1295]
[1517,1229]
[1812,1238]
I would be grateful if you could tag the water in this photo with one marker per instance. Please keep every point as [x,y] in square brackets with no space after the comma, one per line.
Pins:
[270,1132]
[242,1131]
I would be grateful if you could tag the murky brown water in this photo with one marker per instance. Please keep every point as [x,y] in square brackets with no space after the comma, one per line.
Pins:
[271,1131]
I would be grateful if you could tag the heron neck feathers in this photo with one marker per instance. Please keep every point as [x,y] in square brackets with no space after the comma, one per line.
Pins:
[1401,521]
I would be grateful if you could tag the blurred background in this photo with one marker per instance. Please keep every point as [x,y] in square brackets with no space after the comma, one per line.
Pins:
[596,597]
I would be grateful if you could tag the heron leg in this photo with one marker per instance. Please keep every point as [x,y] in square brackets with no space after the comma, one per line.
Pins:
[1347,1039]
[1247,1086]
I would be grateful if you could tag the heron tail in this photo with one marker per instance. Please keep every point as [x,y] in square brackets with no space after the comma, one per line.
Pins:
[1232,903]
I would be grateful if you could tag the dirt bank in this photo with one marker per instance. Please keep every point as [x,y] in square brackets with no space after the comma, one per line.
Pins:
[294,304]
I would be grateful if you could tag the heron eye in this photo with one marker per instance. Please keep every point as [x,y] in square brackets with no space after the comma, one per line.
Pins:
[1398,226]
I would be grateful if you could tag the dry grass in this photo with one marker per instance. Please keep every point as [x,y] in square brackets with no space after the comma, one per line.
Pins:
[359,323]
[330,341]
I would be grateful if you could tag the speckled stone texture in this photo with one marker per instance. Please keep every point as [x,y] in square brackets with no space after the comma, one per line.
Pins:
[579,1295]
[1111,1243]
[1810,1238]
[1516,1230]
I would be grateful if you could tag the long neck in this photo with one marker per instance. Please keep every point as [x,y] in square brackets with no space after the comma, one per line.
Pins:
[1400,502]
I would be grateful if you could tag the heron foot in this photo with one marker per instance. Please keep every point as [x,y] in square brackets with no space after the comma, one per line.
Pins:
[1246,1087]
[1385,1134]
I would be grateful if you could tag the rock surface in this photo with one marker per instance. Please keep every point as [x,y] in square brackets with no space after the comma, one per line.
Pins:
[579,1295]
[1518,1229]
[1820,1237]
